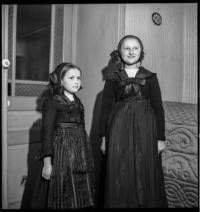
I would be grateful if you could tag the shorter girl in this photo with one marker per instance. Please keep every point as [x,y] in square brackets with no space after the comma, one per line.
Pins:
[66,151]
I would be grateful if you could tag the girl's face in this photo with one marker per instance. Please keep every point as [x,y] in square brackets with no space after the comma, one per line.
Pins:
[130,51]
[72,80]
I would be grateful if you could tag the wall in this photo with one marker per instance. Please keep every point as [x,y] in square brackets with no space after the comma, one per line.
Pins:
[67,32]
[97,36]
[166,46]
[97,29]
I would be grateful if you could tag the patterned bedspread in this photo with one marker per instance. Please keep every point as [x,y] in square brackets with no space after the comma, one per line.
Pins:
[180,158]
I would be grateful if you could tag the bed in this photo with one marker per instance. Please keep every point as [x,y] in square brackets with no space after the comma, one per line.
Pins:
[180,158]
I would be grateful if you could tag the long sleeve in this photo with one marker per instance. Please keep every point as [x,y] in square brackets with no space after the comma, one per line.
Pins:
[156,103]
[107,101]
[48,122]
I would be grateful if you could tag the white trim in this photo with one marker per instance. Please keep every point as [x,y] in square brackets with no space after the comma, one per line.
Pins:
[20,146]
[16,129]
[14,49]
[64,34]
[5,30]
[51,56]
[4,111]
[74,31]
[23,129]
[31,82]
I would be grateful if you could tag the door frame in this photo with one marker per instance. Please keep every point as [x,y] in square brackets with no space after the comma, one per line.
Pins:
[4,105]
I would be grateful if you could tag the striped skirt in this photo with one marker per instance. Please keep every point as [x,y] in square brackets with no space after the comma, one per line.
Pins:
[72,181]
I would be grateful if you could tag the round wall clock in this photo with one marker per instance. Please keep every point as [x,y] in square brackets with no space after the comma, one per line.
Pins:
[156,18]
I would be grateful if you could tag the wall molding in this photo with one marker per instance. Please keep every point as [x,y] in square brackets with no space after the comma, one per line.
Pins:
[74,31]
[14,49]
[121,21]
[67,32]
[190,89]
[51,61]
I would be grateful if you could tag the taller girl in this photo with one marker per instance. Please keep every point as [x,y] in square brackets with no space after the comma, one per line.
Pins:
[132,121]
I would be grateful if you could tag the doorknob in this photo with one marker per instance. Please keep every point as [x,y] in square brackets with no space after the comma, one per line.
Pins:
[5,63]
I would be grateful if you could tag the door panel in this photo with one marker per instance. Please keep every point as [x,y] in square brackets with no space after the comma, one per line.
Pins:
[22,119]
[22,123]
[21,159]
[22,116]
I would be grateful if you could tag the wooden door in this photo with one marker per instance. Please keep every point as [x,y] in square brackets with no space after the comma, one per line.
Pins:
[24,90]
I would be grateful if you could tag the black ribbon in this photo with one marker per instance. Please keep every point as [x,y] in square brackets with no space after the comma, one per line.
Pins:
[139,81]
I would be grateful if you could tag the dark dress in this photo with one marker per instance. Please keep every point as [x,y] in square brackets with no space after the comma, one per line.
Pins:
[132,119]
[64,139]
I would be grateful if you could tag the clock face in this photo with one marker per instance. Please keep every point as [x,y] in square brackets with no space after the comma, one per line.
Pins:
[156,18]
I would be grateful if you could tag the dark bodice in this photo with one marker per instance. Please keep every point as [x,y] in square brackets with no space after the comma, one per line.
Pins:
[58,109]
[129,87]
[144,85]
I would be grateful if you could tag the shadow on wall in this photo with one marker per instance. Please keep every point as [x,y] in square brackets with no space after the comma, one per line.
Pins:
[34,164]
[96,142]
[99,158]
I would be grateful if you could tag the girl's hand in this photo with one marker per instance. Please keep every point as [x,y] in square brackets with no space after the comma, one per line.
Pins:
[46,171]
[103,145]
[47,168]
[161,146]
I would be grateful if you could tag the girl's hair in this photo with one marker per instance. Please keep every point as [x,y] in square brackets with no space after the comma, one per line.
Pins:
[134,37]
[57,75]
